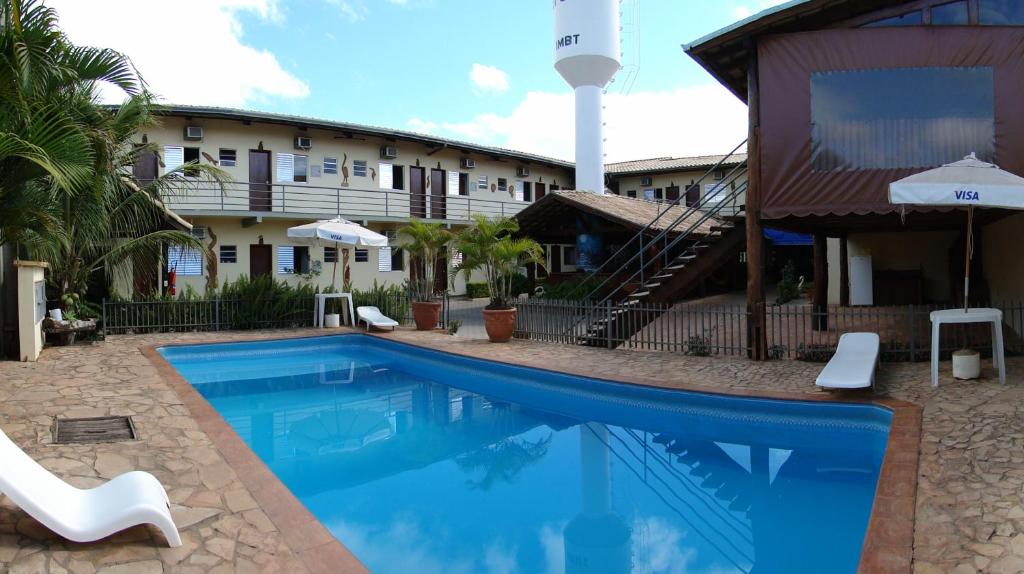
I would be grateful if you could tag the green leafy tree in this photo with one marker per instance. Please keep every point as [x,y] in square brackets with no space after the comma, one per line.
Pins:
[490,246]
[427,244]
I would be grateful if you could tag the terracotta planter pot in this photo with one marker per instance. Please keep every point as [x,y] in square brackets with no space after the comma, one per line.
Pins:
[499,323]
[426,314]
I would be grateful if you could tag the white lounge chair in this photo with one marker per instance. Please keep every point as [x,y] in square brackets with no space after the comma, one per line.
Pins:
[79,515]
[374,318]
[854,364]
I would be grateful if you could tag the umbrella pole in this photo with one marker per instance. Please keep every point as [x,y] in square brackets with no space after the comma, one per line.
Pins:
[968,252]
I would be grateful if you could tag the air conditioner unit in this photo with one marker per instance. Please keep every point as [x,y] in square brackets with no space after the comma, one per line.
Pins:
[193,133]
[646,180]
[391,234]
[468,163]
[199,233]
[388,152]
[303,142]
[522,172]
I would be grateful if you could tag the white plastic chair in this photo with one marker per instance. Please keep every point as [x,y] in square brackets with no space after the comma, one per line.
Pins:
[854,364]
[80,515]
[373,317]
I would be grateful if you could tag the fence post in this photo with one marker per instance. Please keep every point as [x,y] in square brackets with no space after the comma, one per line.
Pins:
[608,325]
[216,313]
[913,338]
[104,318]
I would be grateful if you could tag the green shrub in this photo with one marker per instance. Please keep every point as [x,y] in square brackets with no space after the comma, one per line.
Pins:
[392,300]
[477,290]
[788,287]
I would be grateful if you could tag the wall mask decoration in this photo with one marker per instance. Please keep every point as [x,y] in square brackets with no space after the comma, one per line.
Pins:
[260,146]
[211,261]
[145,139]
[494,187]
[344,170]
[512,191]
[373,174]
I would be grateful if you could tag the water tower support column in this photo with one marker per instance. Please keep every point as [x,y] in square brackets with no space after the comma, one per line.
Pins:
[589,139]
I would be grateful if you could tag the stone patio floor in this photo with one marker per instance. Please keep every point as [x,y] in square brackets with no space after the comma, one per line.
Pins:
[970,498]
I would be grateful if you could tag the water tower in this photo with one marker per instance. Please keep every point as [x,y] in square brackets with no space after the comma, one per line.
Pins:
[587,55]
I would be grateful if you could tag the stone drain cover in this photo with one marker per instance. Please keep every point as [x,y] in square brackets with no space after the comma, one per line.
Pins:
[93,430]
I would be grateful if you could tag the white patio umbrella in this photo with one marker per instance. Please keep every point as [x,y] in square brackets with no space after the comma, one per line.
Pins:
[336,231]
[969,183]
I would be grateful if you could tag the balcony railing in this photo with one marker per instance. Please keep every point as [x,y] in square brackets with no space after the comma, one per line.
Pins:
[351,203]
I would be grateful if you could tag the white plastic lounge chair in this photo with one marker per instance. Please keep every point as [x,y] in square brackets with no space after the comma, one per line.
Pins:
[374,318]
[128,500]
[854,364]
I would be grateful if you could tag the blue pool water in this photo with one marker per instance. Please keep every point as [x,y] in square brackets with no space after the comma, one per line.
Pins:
[420,461]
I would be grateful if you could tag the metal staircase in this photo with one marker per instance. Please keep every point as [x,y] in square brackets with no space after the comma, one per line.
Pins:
[665,260]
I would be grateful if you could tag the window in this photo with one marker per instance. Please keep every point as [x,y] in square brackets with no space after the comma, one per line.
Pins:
[527,191]
[359,168]
[454,183]
[227,157]
[387,174]
[397,177]
[384,259]
[569,255]
[330,166]
[174,157]
[397,259]
[951,14]
[1000,12]
[631,193]
[292,167]
[362,255]
[649,194]
[481,182]
[517,192]
[292,259]
[502,184]
[463,184]
[301,167]
[915,18]
[228,254]
[456,259]
[900,118]
[191,156]
[330,254]
[184,260]
[714,192]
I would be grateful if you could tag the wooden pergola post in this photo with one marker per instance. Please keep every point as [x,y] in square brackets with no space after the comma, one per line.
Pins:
[819,305]
[844,272]
[757,336]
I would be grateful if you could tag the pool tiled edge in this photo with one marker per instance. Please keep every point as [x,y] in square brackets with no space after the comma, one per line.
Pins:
[318,549]
[888,544]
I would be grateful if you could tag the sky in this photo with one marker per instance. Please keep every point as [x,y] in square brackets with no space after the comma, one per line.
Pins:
[473,70]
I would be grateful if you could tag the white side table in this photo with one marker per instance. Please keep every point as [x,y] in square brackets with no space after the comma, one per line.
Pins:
[320,304]
[979,315]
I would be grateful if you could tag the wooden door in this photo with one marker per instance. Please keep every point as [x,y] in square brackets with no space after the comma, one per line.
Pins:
[441,274]
[692,195]
[556,259]
[417,193]
[538,191]
[261,260]
[145,168]
[260,195]
[438,199]
[672,193]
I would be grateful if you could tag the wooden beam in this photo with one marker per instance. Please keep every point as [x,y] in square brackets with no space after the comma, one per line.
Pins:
[252,221]
[757,333]
[819,306]
[844,272]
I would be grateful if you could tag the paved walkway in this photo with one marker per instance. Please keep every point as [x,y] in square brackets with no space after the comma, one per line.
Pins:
[970,499]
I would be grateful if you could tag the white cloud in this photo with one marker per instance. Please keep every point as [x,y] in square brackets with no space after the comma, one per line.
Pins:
[193,54]
[422,126]
[352,12]
[488,79]
[687,121]
[399,2]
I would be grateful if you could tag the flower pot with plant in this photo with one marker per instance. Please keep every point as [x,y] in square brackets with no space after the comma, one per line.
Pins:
[427,244]
[491,247]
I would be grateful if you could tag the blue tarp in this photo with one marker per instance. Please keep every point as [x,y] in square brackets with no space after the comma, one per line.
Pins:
[779,237]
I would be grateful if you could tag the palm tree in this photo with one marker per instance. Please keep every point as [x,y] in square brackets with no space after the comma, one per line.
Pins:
[111,222]
[45,84]
[428,242]
[490,245]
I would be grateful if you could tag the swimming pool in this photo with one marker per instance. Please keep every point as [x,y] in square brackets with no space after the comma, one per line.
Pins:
[421,461]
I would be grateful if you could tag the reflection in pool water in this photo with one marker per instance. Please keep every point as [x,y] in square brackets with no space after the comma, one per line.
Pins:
[424,462]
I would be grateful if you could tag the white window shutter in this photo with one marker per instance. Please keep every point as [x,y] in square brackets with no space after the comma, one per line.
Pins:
[285,167]
[184,260]
[384,259]
[385,172]
[174,157]
[285,259]
[453,183]
[519,192]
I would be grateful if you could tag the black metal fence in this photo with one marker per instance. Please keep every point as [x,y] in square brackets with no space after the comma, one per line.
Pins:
[140,317]
[793,331]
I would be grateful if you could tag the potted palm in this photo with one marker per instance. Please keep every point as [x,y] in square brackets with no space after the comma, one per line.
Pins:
[427,243]
[490,246]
